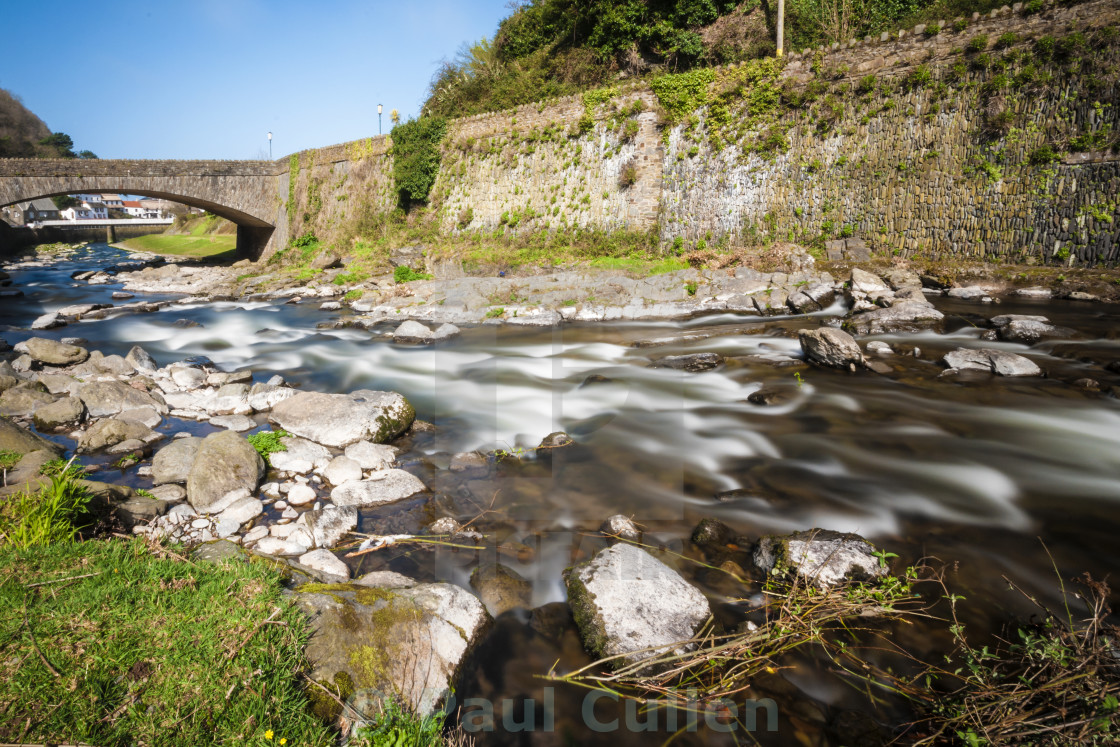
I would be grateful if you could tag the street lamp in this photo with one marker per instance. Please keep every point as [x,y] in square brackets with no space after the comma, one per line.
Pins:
[270,146]
[379,108]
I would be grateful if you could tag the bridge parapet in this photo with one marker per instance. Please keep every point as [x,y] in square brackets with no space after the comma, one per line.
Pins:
[121,168]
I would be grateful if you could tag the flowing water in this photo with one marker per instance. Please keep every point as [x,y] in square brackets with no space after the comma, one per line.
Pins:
[982,474]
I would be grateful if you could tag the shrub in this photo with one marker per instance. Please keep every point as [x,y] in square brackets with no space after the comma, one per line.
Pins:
[866,84]
[628,174]
[1006,40]
[919,77]
[466,215]
[960,25]
[977,44]
[267,443]
[405,274]
[1034,6]
[630,129]
[1068,46]
[1043,155]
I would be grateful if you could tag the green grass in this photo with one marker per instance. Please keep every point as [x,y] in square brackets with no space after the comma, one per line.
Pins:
[147,650]
[216,246]
[642,265]
[46,516]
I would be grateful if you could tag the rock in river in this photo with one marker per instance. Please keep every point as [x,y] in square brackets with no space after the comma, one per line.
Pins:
[52,352]
[625,600]
[830,347]
[695,363]
[998,362]
[225,462]
[823,558]
[338,420]
[374,643]
[172,463]
[382,487]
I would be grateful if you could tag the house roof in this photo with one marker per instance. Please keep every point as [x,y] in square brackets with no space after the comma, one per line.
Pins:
[132,204]
[42,205]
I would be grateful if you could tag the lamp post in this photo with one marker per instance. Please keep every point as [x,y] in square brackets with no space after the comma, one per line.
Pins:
[270,146]
[781,26]
[379,108]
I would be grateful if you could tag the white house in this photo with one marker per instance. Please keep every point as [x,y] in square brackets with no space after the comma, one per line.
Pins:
[86,211]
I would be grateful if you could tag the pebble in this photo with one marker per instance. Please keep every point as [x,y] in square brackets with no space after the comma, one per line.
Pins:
[300,495]
[280,505]
[200,523]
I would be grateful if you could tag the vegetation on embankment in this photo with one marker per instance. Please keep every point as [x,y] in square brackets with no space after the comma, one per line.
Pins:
[191,236]
[374,237]
[550,48]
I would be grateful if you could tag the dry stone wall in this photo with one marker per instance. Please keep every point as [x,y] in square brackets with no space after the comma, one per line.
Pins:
[909,167]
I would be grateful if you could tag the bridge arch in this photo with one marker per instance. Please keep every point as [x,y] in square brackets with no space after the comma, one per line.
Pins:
[244,192]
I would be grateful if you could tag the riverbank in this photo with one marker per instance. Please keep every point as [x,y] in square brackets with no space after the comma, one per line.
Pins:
[705,440]
[216,248]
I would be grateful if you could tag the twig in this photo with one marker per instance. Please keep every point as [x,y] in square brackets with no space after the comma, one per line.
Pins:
[60,580]
[34,643]
[260,625]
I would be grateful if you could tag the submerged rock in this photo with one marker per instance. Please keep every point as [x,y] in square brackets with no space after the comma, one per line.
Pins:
[339,420]
[624,600]
[375,643]
[694,363]
[821,557]
[501,589]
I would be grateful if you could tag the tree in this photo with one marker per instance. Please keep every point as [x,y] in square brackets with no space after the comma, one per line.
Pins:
[395,117]
[87,154]
[65,201]
[59,145]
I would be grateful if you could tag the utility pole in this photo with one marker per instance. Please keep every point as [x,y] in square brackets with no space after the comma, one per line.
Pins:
[781,25]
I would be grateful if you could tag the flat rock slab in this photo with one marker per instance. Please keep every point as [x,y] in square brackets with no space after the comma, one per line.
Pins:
[624,600]
[330,524]
[386,486]
[998,362]
[339,420]
[52,352]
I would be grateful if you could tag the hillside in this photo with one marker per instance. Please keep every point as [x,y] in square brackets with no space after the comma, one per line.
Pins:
[20,129]
[550,48]
[24,135]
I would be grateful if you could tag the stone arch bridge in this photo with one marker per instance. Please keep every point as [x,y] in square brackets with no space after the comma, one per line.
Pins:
[244,192]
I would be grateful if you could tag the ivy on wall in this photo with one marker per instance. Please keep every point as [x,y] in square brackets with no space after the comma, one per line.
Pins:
[416,158]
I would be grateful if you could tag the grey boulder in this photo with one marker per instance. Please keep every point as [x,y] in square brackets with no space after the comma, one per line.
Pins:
[830,347]
[822,558]
[626,601]
[339,420]
[998,362]
[382,487]
[226,462]
[172,463]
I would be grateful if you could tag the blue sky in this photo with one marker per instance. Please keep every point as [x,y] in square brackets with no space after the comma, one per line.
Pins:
[209,78]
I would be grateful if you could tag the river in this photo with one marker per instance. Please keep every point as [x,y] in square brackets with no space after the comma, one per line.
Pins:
[983,474]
